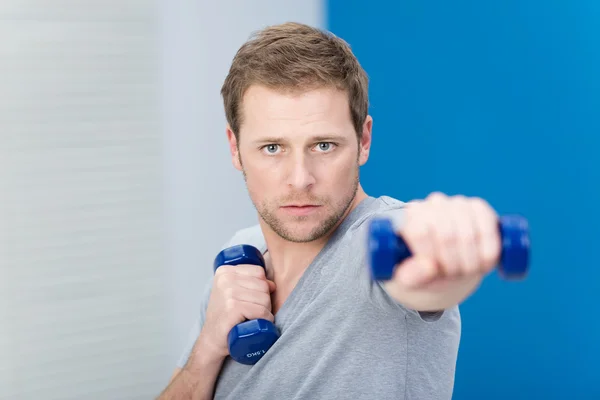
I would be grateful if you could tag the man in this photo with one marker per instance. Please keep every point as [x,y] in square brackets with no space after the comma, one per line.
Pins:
[296,102]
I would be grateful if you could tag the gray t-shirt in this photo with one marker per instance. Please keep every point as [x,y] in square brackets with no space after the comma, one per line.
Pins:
[342,336]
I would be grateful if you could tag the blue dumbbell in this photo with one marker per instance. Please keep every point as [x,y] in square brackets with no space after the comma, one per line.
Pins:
[386,249]
[248,341]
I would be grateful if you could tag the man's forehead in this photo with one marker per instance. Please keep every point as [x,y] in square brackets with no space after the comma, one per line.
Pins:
[267,106]
[264,98]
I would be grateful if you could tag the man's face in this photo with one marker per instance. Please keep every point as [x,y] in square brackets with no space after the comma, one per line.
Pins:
[300,156]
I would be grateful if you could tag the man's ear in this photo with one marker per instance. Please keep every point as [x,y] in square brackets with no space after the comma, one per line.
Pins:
[365,141]
[233,149]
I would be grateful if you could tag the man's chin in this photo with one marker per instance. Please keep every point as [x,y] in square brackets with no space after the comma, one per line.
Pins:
[299,228]
[299,231]
[299,238]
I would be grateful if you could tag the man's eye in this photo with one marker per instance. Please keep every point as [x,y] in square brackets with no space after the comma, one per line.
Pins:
[271,148]
[325,146]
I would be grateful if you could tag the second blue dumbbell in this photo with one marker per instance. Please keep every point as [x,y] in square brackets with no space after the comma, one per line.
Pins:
[248,341]
[386,249]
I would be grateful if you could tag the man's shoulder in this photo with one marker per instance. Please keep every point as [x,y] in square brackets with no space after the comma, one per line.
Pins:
[379,207]
[250,235]
[387,203]
[384,204]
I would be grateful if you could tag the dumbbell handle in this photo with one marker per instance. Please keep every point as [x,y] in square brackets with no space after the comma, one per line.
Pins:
[388,249]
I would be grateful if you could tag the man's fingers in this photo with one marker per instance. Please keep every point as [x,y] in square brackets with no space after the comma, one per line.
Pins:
[460,234]
[417,231]
[243,269]
[416,271]
[254,284]
[251,296]
[255,311]
[489,241]
[272,286]
[445,234]
[466,223]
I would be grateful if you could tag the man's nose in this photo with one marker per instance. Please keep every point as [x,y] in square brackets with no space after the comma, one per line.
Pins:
[300,176]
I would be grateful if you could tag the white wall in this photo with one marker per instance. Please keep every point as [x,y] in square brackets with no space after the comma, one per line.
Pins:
[83,307]
[200,40]
[113,172]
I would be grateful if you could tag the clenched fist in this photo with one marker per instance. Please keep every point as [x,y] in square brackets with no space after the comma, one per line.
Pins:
[239,293]
[451,238]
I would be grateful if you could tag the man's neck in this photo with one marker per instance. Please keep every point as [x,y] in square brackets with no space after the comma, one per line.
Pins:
[287,260]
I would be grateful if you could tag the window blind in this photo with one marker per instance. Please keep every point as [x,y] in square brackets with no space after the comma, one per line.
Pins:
[83,302]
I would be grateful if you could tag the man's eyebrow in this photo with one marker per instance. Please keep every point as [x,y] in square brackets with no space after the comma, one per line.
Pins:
[268,139]
[318,138]
[329,138]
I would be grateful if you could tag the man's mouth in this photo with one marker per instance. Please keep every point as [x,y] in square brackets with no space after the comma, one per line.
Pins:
[300,209]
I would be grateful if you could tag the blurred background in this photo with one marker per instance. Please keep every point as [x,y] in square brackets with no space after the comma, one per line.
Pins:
[114,169]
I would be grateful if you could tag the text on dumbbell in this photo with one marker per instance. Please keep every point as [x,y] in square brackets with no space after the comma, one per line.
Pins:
[256,353]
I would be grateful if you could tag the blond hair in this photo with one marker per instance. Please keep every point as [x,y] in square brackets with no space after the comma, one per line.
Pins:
[295,57]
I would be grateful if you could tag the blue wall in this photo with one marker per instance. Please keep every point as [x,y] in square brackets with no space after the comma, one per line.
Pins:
[501,100]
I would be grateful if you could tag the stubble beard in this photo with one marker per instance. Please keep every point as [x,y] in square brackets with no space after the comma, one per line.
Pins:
[266,210]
